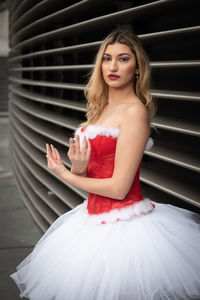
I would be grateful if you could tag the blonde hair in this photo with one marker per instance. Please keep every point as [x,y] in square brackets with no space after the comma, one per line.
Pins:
[96,90]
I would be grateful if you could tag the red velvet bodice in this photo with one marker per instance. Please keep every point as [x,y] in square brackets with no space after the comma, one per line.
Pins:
[101,165]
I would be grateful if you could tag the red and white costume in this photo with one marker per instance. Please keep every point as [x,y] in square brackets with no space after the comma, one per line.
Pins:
[108,249]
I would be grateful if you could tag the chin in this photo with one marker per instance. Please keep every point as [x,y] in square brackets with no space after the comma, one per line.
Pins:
[117,84]
[114,84]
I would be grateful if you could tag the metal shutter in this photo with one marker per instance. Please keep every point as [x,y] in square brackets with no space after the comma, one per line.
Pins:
[53,44]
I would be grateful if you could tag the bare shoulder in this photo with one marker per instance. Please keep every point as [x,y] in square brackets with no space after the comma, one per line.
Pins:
[134,113]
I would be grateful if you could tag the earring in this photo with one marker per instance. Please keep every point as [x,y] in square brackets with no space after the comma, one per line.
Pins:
[137,75]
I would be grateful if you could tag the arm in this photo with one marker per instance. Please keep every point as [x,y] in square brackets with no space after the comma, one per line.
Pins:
[84,174]
[134,132]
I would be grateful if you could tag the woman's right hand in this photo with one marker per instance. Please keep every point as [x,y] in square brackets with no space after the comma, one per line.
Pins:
[79,158]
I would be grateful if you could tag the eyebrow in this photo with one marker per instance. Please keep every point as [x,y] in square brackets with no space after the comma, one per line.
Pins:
[118,54]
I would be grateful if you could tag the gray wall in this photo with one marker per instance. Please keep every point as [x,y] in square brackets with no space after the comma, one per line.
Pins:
[4,61]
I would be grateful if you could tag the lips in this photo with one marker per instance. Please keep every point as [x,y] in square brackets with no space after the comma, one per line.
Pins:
[113,76]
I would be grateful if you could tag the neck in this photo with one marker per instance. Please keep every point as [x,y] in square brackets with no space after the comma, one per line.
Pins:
[118,96]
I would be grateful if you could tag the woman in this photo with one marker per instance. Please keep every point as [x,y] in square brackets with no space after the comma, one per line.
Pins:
[116,245]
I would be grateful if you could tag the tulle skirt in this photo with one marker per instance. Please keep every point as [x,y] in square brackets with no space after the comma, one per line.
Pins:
[153,256]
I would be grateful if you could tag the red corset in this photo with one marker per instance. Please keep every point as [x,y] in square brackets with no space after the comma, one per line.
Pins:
[103,142]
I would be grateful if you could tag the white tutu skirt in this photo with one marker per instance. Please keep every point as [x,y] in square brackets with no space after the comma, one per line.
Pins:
[154,256]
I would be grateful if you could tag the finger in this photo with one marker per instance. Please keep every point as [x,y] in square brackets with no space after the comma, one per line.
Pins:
[49,154]
[84,145]
[57,154]
[77,146]
[53,151]
[88,150]
[87,141]
[71,146]
[50,160]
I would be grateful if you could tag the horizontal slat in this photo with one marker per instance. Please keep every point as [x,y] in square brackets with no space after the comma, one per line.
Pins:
[22,4]
[181,126]
[179,32]
[12,5]
[180,158]
[47,130]
[75,105]
[175,64]
[110,18]
[160,64]
[164,94]
[33,10]
[159,196]
[47,115]
[37,159]
[60,50]
[62,195]
[43,224]
[54,68]
[41,6]
[169,156]
[146,38]
[158,121]
[189,96]
[170,185]
[30,133]
[42,193]
[72,86]
[177,95]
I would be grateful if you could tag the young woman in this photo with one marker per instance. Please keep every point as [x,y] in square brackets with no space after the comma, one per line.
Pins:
[116,245]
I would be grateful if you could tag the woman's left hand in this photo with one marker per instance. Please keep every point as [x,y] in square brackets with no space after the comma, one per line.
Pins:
[55,163]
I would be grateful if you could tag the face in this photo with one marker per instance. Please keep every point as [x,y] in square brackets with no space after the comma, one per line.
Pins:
[118,66]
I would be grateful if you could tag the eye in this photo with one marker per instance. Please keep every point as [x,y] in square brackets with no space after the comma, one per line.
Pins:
[105,58]
[123,59]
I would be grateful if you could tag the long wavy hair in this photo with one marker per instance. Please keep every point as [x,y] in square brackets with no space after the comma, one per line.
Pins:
[96,90]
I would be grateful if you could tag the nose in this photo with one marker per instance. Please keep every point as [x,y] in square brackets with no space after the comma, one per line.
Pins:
[113,66]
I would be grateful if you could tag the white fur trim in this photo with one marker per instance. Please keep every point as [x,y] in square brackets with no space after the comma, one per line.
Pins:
[94,130]
[126,213]
[91,131]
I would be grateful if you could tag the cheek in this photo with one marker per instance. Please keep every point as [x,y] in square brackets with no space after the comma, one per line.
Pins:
[103,70]
[129,71]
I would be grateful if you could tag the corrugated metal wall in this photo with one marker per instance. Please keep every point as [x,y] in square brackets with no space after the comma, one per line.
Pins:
[3,61]
[53,44]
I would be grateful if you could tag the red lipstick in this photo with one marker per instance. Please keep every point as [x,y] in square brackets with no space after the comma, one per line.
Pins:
[113,76]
